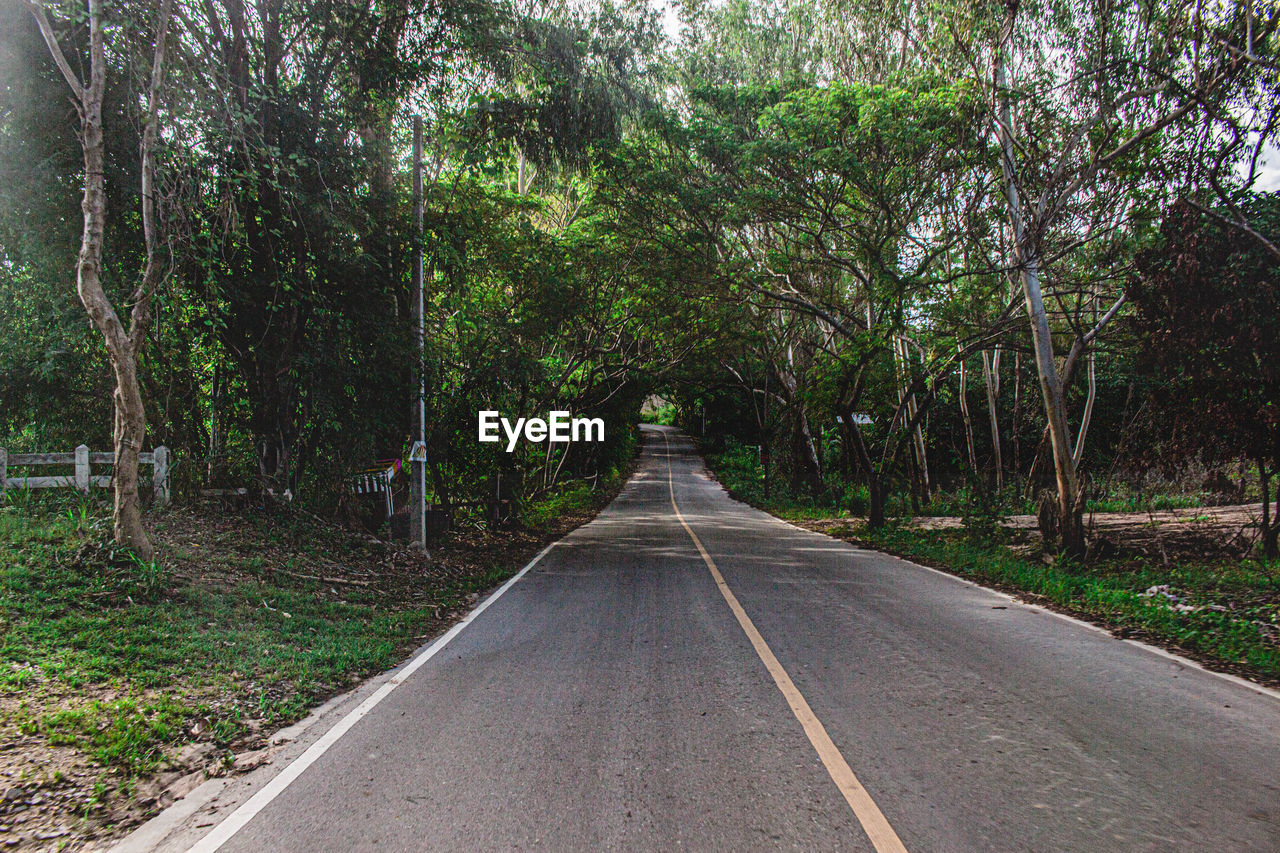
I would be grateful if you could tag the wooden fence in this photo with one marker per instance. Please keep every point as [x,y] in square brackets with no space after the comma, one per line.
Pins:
[83,478]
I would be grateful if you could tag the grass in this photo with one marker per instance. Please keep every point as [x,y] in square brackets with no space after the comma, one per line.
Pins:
[1144,503]
[576,499]
[1225,612]
[82,611]
[128,734]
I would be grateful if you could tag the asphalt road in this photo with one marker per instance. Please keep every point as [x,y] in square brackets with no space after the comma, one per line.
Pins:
[612,698]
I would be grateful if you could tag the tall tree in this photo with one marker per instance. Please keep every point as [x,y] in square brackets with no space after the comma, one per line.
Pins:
[123,346]
[1090,102]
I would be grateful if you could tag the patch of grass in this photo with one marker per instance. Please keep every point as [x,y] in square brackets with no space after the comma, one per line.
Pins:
[1143,503]
[575,500]
[129,734]
[81,619]
[572,500]
[962,501]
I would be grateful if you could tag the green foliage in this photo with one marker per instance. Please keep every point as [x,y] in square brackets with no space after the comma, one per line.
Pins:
[283,355]
[739,469]
[668,414]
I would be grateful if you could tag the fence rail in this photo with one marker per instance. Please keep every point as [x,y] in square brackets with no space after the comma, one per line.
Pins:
[83,478]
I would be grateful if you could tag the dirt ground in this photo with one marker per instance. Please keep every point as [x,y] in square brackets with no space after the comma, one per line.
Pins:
[57,797]
[1206,531]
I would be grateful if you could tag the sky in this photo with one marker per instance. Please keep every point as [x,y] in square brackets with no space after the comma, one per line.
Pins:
[670,17]
[1269,170]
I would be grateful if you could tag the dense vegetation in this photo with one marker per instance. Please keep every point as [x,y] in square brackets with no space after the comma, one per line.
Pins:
[986,255]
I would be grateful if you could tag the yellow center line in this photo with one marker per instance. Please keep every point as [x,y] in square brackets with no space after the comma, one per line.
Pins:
[873,821]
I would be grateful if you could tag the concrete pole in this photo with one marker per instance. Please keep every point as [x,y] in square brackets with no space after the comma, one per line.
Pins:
[418,467]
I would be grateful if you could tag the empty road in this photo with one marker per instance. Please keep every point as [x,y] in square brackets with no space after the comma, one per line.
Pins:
[688,673]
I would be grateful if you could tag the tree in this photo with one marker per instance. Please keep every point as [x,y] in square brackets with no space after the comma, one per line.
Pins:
[1091,101]
[1207,316]
[851,212]
[123,347]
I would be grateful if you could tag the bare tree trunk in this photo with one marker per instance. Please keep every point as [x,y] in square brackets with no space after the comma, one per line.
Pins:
[525,173]
[968,423]
[902,357]
[1070,503]
[806,467]
[1092,396]
[1078,453]
[991,378]
[1270,524]
[875,484]
[130,424]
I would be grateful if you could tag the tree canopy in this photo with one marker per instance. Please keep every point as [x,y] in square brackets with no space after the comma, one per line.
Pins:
[900,247]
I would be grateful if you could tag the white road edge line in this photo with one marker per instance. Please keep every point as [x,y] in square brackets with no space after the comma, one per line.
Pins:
[1252,686]
[249,809]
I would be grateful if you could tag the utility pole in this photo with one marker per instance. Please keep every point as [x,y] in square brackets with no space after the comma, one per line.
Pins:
[418,460]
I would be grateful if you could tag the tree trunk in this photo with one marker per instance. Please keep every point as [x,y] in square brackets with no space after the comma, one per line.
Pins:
[1070,508]
[805,468]
[1270,524]
[1078,454]
[215,438]
[968,423]
[1016,462]
[991,378]
[130,429]
[875,483]
[130,423]
[875,507]
[921,489]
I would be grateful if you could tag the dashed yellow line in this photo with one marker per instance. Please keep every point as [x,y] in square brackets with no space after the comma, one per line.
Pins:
[873,821]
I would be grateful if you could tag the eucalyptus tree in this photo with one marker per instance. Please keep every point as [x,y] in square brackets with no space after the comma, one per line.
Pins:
[1093,102]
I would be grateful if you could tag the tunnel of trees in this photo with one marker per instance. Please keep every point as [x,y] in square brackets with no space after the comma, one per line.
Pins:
[1008,254]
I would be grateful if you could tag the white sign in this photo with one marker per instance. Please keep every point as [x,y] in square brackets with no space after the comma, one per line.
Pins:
[418,453]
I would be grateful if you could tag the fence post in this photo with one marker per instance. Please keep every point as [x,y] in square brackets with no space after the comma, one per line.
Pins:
[82,469]
[4,469]
[160,477]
